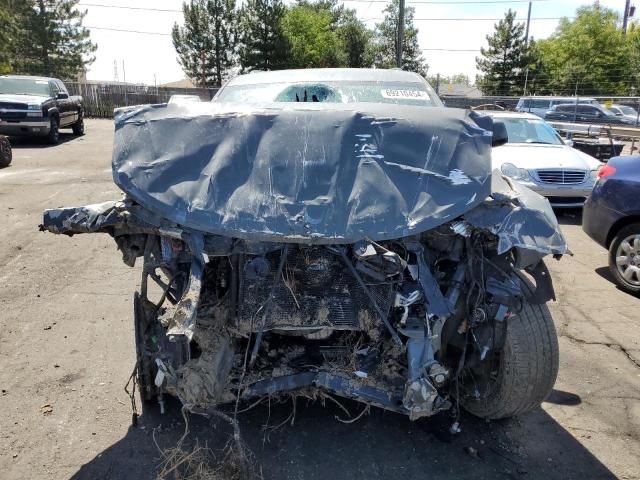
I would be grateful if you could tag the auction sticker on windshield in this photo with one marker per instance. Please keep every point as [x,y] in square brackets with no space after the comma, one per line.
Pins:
[396,93]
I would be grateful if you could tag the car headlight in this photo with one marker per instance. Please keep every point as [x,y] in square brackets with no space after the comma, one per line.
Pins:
[594,173]
[33,106]
[511,171]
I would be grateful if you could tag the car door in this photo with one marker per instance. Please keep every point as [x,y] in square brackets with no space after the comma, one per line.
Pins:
[62,100]
[588,114]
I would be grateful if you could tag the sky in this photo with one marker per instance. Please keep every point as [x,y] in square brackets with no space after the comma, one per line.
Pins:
[450,46]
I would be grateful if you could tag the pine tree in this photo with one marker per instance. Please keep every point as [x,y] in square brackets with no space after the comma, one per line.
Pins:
[355,37]
[384,47]
[51,39]
[206,45]
[263,45]
[7,36]
[504,62]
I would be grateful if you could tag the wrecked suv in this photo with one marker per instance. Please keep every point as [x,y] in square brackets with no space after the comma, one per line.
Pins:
[333,231]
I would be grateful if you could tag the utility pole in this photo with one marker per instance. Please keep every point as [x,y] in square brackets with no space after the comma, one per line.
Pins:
[400,35]
[526,45]
[625,19]
[124,79]
[526,34]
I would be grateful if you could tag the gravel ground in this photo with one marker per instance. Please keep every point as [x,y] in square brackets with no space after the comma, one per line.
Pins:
[66,351]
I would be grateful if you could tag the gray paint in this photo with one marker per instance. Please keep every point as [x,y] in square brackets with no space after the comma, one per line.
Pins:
[317,173]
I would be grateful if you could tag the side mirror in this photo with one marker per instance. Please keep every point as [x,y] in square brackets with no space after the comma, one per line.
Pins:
[500,136]
[62,96]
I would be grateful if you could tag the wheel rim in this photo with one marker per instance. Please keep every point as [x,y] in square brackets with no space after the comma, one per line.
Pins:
[628,259]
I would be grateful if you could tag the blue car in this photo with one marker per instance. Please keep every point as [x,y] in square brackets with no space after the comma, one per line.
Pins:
[611,217]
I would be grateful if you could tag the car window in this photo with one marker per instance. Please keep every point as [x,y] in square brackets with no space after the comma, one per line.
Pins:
[589,110]
[526,130]
[408,93]
[540,104]
[61,87]
[24,86]
[565,108]
[54,89]
[625,110]
[524,103]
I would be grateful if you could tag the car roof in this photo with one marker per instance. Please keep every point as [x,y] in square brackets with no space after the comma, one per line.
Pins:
[505,114]
[544,97]
[578,104]
[327,74]
[28,77]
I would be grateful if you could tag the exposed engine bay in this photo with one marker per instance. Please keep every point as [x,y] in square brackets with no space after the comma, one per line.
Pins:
[400,324]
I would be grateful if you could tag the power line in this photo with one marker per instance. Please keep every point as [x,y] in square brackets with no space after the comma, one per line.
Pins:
[102,5]
[441,2]
[450,49]
[430,2]
[128,31]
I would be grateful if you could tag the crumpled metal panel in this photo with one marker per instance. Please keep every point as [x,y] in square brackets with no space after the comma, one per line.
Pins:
[520,218]
[311,173]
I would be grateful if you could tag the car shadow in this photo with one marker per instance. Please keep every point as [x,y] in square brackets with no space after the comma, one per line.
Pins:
[569,216]
[308,442]
[41,142]
[605,273]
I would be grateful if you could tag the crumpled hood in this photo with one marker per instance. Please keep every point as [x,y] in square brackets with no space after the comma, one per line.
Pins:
[26,99]
[313,173]
[537,156]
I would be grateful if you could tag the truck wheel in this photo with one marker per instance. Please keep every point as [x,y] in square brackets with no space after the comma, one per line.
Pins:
[521,375]
[624,258]
[5,152]
[78,127]
[54,133]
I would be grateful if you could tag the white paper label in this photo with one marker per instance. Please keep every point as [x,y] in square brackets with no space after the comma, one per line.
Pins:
[410,94]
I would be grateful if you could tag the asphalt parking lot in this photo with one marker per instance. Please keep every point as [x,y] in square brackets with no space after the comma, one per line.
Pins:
[66,352]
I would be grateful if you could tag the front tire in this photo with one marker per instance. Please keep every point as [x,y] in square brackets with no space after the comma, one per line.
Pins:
[53,137]
[624,258]
[5,152]
[524,371]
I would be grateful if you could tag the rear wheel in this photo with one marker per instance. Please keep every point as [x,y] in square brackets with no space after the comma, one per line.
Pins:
[624,258]
[5,152]
[521,375]
[54,131]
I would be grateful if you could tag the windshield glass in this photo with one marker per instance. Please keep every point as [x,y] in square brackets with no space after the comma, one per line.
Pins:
[333,92]
[24,86]
[526,130]
[627,110]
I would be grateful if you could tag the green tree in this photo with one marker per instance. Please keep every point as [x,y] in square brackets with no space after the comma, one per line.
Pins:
[383,48]
[355,37]
[206,45]
[457,78]
[7,36]
[263,44]
[313,38]
[589,55]
[51,39]
[503,64]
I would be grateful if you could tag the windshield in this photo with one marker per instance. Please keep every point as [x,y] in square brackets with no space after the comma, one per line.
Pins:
[627,110]
[24,86]
[526,130]
[406,93]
